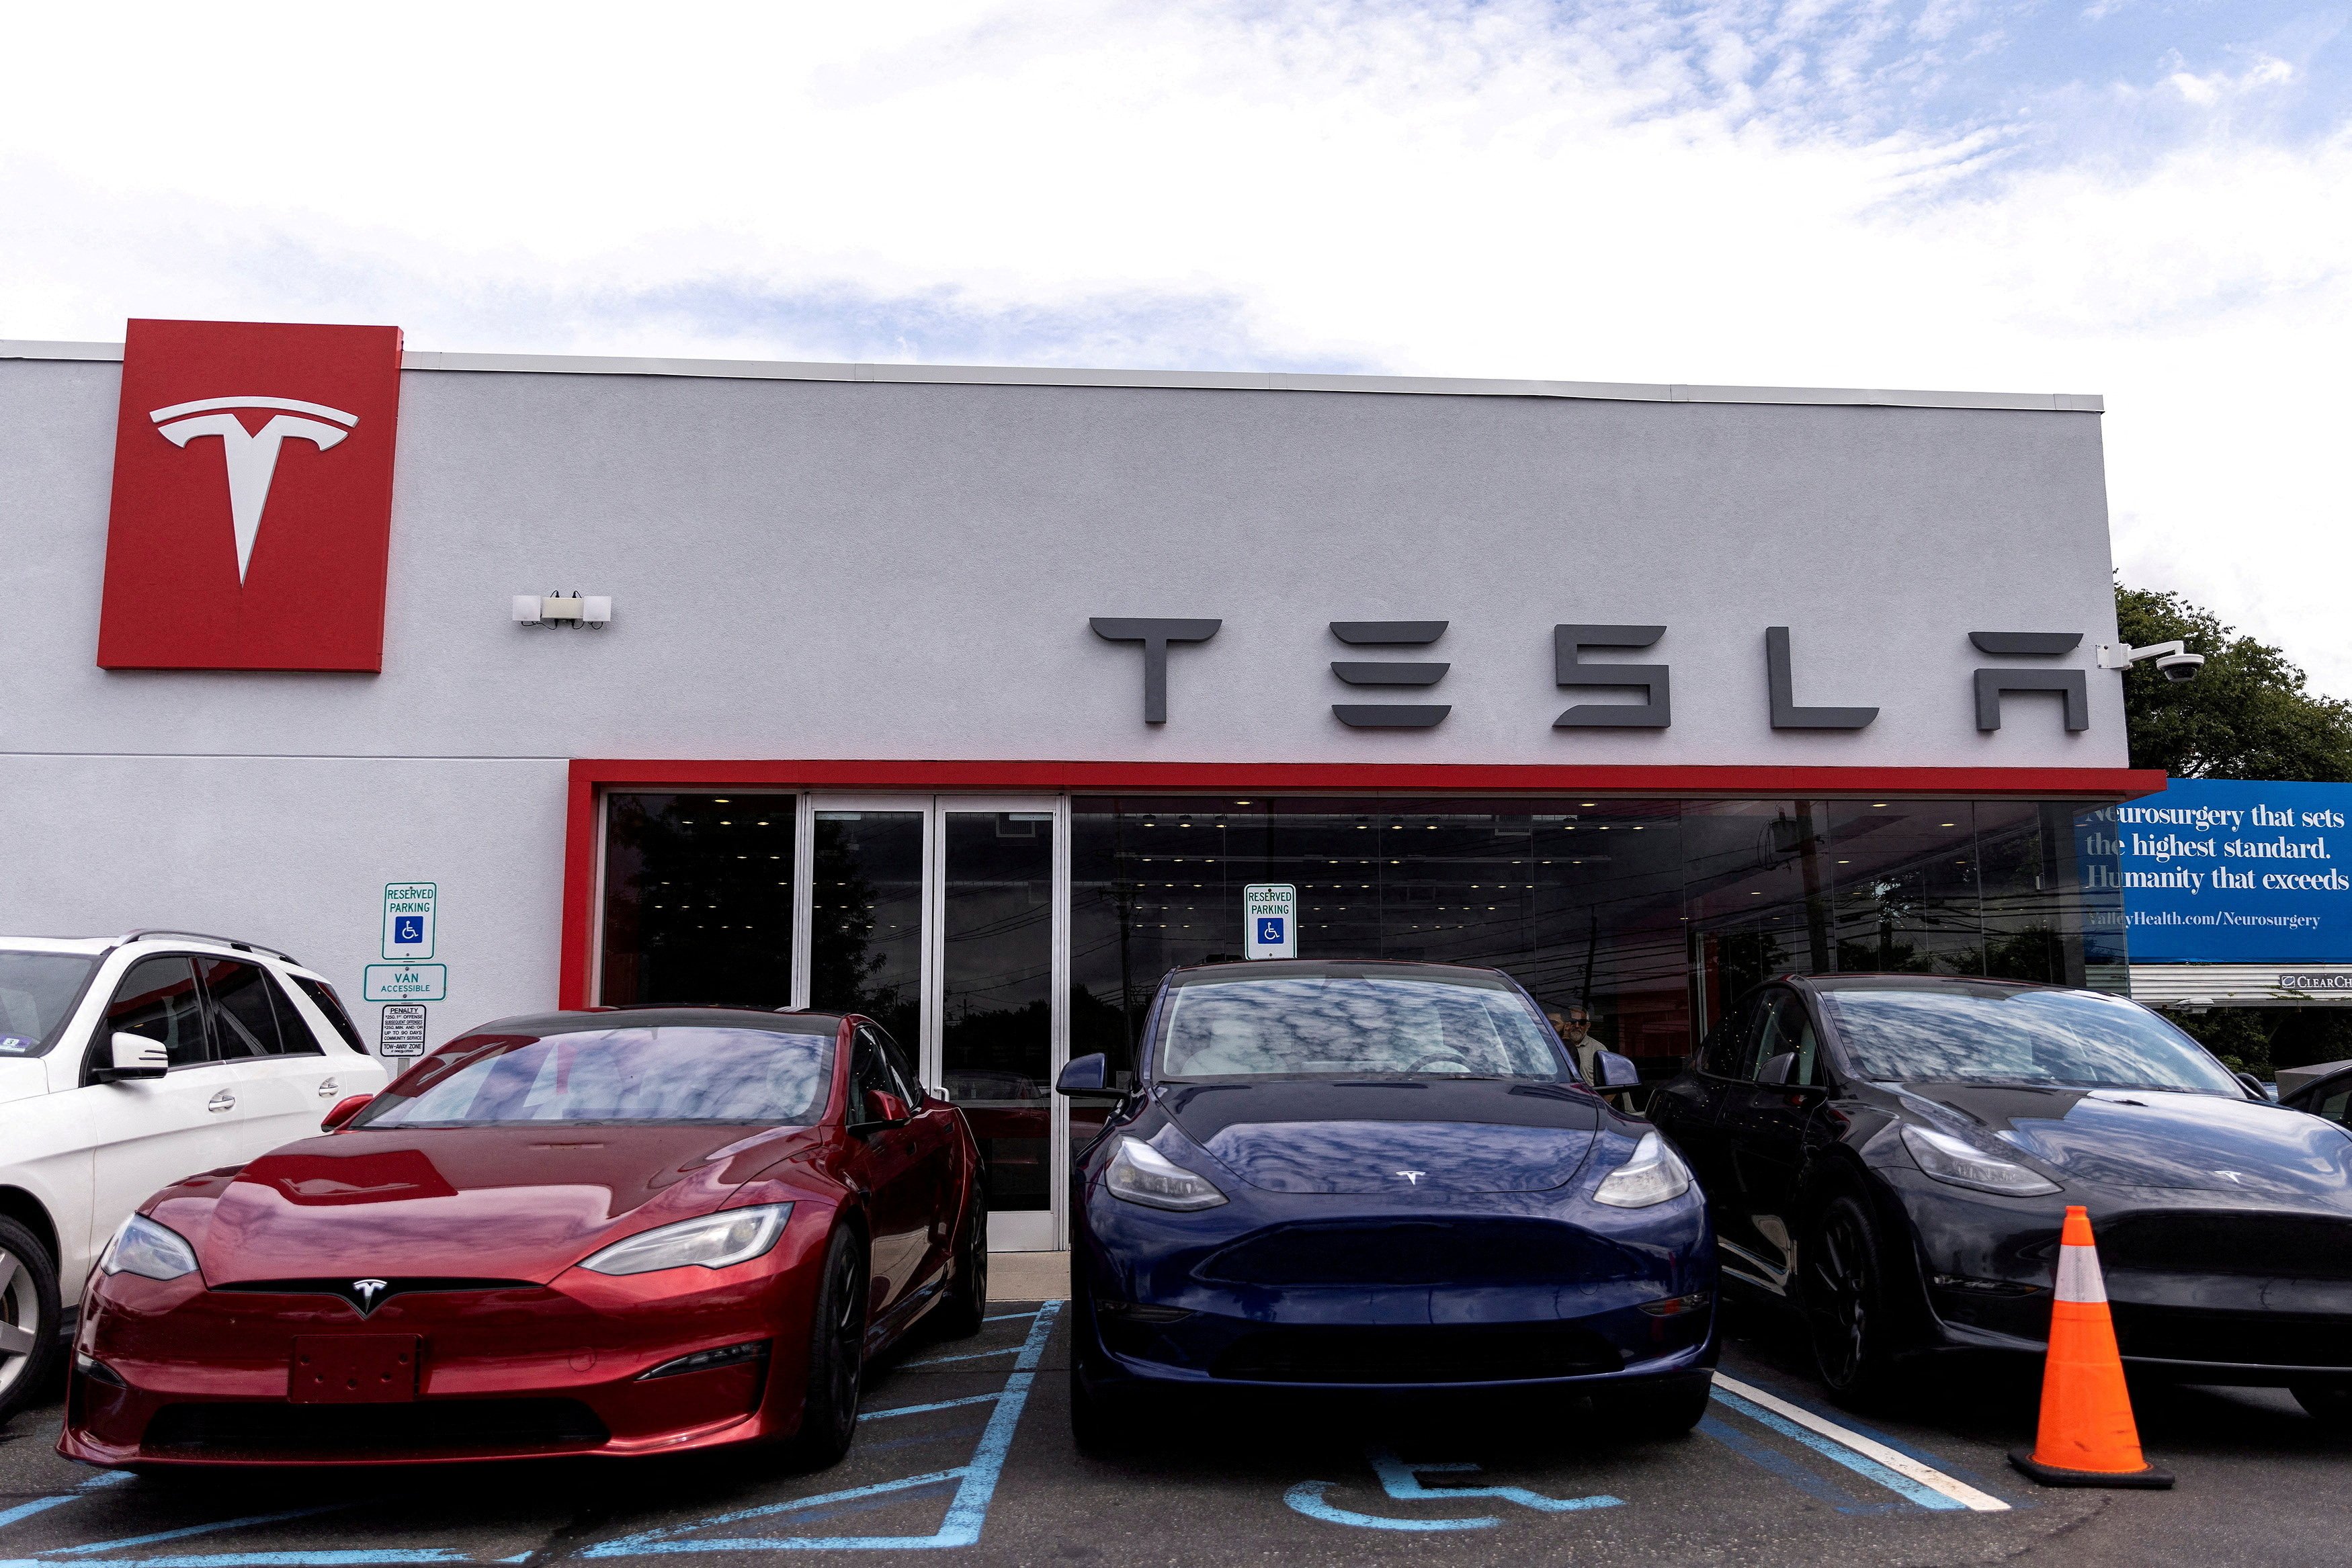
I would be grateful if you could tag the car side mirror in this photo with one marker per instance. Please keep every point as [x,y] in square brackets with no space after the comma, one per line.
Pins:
[1777,1069]
[884,1107]
[1087,1082]
[345,1109]
[1616,1072]
[134,1056]
[2256,1087]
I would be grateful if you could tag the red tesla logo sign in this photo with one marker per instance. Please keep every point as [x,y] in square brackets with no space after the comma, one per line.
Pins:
[252,508]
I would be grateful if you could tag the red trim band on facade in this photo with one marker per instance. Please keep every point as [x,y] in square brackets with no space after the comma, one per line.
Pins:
[591,775]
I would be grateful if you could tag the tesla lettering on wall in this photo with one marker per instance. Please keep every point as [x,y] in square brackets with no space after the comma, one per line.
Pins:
[252,509]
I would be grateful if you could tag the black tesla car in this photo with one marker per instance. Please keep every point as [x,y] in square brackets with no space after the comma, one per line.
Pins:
[1892,1154]
[2329,1096]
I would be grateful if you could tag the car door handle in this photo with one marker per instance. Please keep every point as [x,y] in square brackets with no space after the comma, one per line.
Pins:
[327,1088]
[224,1100]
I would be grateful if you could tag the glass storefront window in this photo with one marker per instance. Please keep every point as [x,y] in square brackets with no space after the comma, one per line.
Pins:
[865,918]
[698,899]
[1656,913]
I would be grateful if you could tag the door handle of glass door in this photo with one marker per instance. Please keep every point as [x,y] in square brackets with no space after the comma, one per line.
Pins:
[224,1100]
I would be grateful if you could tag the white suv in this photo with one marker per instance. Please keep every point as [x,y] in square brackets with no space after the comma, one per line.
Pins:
[127,1063]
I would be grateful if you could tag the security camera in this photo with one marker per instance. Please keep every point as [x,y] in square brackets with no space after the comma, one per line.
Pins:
[2174,659]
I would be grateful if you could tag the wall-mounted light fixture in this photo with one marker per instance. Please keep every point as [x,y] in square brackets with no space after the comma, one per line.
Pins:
[573,608]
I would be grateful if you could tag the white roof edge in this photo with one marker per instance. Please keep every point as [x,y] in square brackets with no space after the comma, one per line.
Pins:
[1228,380]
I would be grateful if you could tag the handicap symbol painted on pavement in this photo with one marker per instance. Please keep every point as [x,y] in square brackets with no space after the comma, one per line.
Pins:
[1401,1481]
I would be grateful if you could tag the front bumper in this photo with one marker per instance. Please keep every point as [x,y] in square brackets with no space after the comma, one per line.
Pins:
[2203,1289]
[177,1374]
[1292,1291]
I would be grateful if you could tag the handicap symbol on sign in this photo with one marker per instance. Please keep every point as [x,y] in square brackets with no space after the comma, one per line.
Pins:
[1269,930]
[1401,1481]
[407,928]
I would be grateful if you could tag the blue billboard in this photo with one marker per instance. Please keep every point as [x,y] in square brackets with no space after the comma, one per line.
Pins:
[2229,872]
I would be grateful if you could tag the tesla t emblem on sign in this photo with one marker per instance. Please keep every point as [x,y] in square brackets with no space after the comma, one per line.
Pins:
[1270,920]
[252,509]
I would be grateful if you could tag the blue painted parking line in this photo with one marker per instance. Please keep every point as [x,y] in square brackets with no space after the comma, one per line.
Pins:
[1909,1450]
[1011,1317]
[356,1557]
[967,1512]
[9,1516]
[1921,1483]
[935,1405]
[1789,1469]
[187,1530]
[968,1355]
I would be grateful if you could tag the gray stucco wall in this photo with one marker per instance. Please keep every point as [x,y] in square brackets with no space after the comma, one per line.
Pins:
[830,568]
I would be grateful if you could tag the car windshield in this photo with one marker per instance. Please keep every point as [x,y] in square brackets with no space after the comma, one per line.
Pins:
[1350,1025]
[35,989]
[2074,1040]
[607,1075]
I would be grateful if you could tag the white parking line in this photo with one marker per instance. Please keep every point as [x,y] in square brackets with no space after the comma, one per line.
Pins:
[1904,1465]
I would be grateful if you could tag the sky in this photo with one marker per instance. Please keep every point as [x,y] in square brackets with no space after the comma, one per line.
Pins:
[2146,199]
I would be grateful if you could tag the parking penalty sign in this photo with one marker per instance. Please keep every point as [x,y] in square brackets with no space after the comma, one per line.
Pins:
[1270,920]
[402,1032]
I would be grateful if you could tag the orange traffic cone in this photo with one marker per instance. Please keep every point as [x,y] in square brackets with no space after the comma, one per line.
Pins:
[2087,1437]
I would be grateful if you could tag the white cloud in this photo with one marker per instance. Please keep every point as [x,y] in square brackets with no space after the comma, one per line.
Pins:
[1626,192]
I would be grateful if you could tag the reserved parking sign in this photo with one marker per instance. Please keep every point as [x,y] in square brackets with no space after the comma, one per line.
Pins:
[1270,920]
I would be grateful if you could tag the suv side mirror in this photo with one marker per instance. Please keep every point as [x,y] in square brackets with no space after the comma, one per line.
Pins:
[884,1107]
[1087,1082]
[345,1109]
[1616,1072]
[1777,1069]
[133,1056]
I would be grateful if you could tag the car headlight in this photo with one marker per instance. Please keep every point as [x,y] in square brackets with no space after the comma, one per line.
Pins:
[150,1250]
[1652,1175]
[1962,1163]
[1141,1174]
[713,1241]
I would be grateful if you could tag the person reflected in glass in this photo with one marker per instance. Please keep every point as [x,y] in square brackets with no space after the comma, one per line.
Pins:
[1572,1022]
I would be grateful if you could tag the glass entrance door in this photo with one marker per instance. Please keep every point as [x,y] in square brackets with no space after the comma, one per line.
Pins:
[994,1035]
[939,916]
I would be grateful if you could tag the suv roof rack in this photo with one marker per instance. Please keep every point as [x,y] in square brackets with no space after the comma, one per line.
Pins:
[242,945]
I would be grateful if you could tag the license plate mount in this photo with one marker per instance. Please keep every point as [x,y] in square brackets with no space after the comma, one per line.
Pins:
[354,1369]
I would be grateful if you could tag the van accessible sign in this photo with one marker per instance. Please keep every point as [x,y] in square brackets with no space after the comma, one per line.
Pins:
[2238,873]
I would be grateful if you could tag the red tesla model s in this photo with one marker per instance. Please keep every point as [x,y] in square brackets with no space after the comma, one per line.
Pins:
[621,1233]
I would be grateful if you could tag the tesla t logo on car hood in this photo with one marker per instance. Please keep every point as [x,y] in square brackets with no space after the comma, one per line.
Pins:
[365,1292]
[1414,1177]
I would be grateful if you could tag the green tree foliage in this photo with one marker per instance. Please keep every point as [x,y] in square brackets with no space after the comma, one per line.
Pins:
[2246,715]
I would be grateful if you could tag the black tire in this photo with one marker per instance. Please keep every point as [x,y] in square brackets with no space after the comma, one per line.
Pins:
[2327,1402]
[29,1316]
[1844,1289]
[1667,1410]
[836,1365]
[1097,1427]
[966,1307]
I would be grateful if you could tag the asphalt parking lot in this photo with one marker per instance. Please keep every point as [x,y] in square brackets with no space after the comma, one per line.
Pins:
[965,1453]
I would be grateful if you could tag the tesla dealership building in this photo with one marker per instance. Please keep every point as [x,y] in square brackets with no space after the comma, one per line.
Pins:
[976,698]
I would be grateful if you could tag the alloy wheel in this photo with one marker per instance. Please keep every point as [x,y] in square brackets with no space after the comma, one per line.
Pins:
[1837,1297]
[847,1370]
[20,1319]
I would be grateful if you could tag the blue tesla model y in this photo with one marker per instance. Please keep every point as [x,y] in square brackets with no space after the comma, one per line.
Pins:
[1377,1176]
